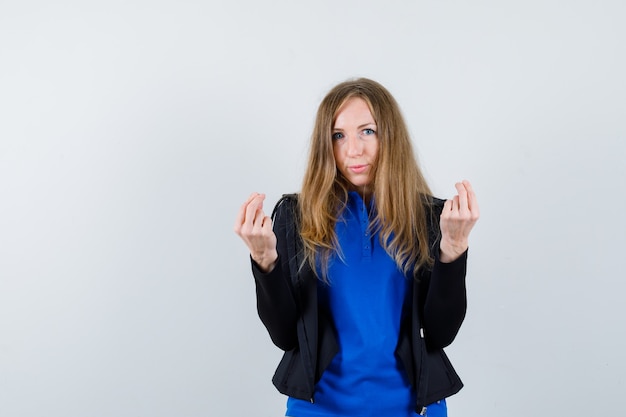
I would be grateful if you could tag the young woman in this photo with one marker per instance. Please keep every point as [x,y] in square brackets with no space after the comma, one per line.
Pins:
[360,277]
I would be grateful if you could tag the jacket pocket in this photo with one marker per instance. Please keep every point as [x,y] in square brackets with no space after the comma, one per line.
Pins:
[290,377]
[443,380]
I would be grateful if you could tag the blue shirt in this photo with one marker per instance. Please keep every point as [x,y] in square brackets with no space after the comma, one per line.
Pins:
[365,297]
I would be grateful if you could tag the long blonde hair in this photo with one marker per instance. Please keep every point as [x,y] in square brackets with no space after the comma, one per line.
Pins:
[401,194]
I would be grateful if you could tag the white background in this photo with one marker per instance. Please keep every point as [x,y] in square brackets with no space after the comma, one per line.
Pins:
[132,131]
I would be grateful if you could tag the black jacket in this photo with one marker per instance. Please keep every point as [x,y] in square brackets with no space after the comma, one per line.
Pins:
[287,306]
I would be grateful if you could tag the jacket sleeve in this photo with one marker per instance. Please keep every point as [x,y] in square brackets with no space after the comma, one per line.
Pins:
[445,303]
[276,304]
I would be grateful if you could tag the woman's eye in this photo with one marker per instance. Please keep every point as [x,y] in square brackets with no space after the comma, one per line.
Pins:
[337,135]
[368,131]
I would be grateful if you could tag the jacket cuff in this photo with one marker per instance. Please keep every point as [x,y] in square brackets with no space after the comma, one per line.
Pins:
[455,269]
[265,278]
[462,257]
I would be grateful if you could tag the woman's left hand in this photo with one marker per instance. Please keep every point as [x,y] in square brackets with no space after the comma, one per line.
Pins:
[457,220]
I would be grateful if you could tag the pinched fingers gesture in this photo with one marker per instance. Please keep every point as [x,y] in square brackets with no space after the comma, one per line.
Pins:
[255,229]
[457,220]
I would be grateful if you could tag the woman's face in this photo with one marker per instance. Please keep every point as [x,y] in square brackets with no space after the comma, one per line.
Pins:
[355,143]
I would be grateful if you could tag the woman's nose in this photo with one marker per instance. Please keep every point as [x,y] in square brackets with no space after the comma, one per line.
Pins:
[354,145]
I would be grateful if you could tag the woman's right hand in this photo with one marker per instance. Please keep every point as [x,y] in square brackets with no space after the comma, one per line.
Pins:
[255,228]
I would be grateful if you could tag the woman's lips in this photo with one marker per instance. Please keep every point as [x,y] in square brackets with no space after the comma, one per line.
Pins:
[358,169]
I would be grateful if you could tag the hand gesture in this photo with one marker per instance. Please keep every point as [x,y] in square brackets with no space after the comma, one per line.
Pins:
[255,228]
[457,219]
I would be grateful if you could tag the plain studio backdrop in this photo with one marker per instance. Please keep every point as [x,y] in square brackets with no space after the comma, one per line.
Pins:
[132,131]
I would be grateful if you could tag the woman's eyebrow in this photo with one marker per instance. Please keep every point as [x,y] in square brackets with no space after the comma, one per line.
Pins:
[359,126]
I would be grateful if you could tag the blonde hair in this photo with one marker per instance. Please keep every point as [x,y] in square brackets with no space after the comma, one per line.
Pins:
[401,194]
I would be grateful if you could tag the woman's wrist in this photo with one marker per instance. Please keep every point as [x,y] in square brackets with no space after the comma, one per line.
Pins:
[266,263]
[449,252]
